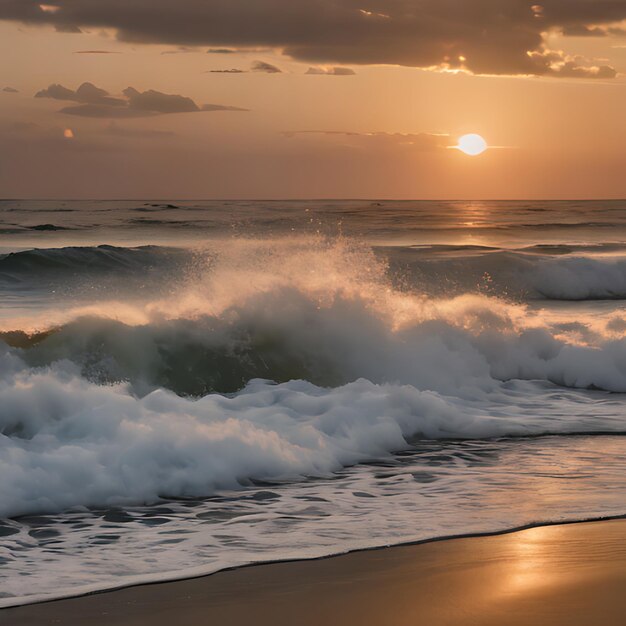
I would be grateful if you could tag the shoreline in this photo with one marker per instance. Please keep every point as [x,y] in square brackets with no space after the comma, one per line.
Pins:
[572,552]
[194,574]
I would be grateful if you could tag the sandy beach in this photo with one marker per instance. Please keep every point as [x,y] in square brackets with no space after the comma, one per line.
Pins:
[572,574]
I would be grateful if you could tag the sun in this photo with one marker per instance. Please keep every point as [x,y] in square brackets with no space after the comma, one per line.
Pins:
[472,144]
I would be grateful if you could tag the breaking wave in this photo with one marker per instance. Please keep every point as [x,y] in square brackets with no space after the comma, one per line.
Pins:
[282,359]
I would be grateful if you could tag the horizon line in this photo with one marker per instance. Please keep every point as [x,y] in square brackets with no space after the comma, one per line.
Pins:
[311,199]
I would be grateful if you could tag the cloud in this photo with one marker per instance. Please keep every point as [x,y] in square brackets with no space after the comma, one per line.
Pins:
[68,29]
[492,36]
[234,70]
[96,52]
[87,93]
[580,30]
[221,107]
[180,50]
[156,102]
[10,90]
[562,65]
[221,51]
[571,70]
[268,68]
[96,102]
[331,71]
[423,142]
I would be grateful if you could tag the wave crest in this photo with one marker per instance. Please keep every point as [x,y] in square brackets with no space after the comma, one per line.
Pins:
[324,312]
[286,359]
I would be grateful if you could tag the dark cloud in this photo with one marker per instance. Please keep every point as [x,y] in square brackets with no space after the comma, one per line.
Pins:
[221,51]
[180,50]
[96,52]
[570,69]
[564,66]
[262,66]
[234,70]
[617,325]
[152,101]
[96,102]
[68,28]
[580,30]
[87,93]
[332,71]
[10,90]
[482,36]
[221,107]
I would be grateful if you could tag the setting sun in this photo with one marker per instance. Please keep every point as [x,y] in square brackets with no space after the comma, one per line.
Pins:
[472,144]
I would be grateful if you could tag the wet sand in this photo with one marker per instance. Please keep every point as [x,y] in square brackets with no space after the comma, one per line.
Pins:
[573,574]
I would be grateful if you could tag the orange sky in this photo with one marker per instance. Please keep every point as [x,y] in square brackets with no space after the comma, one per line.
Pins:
[550,99]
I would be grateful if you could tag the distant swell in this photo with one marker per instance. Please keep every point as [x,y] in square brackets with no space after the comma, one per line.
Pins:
[434,271]
[518,275]
[59,262]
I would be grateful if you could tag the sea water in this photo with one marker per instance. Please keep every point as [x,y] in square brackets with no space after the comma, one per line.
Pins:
[190,386]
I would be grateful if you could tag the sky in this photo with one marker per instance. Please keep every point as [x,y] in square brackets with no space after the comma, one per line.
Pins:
[312,99]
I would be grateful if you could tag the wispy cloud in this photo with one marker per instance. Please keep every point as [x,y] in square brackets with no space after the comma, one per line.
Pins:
[97,52]
[425,142]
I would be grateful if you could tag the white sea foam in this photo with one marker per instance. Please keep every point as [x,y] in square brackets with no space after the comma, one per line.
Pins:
[70,442]
[88,415]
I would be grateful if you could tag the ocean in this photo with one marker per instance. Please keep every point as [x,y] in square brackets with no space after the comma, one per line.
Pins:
[192,386]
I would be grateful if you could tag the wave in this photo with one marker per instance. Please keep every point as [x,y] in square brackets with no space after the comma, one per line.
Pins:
[327,312]
[514,274]
[68,442]
[539,272]
[85,271]
[277,360]
[442,345]
[76,259]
